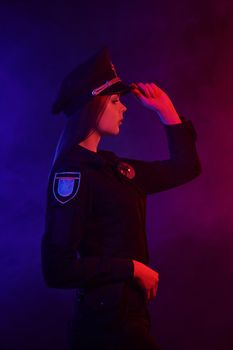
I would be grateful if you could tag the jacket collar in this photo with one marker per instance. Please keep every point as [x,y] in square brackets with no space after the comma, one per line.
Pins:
[99,158]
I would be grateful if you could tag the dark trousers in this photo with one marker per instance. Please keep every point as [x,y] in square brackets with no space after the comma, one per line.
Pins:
[112,317]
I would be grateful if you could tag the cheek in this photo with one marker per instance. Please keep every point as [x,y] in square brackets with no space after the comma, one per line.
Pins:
[109,124]
[108,121]
[104,122]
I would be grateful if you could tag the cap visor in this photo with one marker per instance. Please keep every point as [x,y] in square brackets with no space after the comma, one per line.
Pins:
[118,88]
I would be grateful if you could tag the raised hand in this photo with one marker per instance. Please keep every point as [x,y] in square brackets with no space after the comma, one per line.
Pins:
[152,97]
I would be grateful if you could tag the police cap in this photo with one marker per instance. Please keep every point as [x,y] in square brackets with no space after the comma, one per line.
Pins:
[96,76]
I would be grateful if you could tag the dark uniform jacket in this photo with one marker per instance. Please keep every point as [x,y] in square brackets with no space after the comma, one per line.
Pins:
[95,220]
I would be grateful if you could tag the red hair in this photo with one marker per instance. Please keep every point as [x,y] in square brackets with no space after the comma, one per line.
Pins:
[81,124]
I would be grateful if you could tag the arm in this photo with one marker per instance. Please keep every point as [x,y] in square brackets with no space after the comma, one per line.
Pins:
[65,229]
[183,164]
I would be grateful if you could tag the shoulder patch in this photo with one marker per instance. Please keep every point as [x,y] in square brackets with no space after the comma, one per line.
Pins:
[66,186]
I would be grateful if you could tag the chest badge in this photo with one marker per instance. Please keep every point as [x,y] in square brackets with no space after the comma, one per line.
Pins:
[66,186]
[126,170]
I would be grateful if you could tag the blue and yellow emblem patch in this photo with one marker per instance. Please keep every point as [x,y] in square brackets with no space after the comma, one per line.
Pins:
[66,186]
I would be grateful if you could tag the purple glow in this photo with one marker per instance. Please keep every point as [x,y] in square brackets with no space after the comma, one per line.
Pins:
[186,48]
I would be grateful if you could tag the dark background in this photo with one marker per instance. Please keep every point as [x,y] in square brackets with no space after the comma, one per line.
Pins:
[186,48]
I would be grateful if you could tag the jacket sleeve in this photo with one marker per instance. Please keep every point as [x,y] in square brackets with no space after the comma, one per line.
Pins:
[64,230]
[182,166]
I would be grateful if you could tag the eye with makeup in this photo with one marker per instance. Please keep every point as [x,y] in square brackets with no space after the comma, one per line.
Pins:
[115,99]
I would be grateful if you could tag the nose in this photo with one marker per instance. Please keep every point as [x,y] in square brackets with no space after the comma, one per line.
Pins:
[124,108]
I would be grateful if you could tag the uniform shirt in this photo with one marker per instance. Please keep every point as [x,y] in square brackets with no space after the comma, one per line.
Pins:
[96,210]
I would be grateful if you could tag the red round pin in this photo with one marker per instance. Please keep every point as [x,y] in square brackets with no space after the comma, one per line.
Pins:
[126,170]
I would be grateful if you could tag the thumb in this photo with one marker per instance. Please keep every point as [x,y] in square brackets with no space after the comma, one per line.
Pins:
[136,92]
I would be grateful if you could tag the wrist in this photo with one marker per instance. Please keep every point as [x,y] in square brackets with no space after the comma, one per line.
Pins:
[170,119]
[135,270]
[138,269]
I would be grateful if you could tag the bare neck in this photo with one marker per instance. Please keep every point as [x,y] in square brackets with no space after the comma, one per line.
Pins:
[91,142]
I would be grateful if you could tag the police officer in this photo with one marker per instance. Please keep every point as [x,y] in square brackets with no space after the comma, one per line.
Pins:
[95,236]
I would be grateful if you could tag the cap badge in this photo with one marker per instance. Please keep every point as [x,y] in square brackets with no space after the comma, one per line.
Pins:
[114,69]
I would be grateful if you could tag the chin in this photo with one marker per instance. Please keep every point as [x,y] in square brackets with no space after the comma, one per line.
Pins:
[116,132]
[113,132]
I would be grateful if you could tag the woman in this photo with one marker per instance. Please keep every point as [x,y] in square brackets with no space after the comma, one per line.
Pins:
[96,207]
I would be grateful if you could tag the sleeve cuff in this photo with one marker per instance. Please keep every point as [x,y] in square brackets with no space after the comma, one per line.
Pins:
[122,269]
[116,269]
[186,125]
